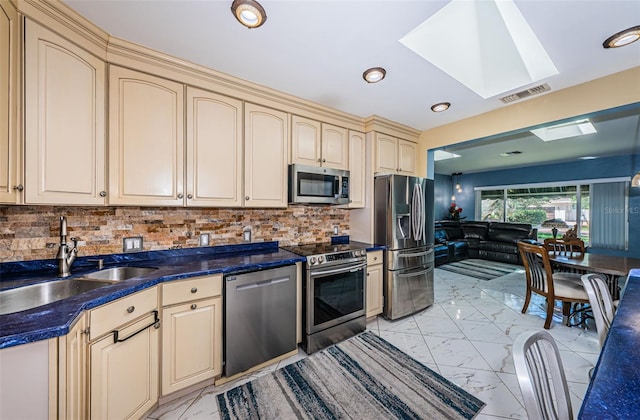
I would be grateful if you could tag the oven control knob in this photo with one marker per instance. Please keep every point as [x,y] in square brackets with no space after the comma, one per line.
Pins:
[320,259]
[312,260]
[358,253]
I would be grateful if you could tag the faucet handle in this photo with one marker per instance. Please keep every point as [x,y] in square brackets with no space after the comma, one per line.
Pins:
[75,242]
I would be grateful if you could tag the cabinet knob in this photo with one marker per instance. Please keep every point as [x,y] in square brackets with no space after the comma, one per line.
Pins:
[180,195]
[319,160]
[375,258]
[103,194]
[246,198]
[324,160]
[189,196]
[130,309]
[194,306]
[194,289]
[368,274]
[18,187]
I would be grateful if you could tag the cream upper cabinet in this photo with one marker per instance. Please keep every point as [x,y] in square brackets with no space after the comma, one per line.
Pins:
[335,147]
[72,372]
[318,144]
[10,180]
[64,121]
[394,156]
[146,139]
[305,141]
[265,156]
[357,147]
[406,157]
[214,150]
[375,301]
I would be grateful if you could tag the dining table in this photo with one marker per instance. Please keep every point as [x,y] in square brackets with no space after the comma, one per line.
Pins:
[612,267]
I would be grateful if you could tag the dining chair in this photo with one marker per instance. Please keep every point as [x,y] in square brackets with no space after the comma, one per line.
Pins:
[601,303]
[573,247]
[541,377]
[565,287]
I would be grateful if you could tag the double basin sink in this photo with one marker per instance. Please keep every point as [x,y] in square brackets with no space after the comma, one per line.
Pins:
[27,297]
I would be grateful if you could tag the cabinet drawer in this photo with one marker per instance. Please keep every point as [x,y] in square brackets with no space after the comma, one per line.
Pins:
[191,289]
[374,257]
[109,317]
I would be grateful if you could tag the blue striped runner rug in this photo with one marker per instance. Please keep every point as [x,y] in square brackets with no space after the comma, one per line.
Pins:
[364,377]
[481,269]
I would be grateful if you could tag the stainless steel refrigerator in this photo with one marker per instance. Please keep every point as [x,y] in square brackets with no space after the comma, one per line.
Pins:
[403,222]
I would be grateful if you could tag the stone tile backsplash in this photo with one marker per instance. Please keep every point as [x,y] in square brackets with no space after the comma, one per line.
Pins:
[33,232]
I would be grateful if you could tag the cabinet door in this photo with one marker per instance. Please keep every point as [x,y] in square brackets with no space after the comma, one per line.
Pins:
[146,139]
[265,157]
[191,343]
[356,169]
[124,376]
[9,162]
[406,157]
[305,141]
[72,367]
[214,150]
[335,147]
[385,154]
[374,290]
[64,121]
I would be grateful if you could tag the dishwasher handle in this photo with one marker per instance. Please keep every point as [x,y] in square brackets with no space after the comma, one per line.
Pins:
[155,323]
[263,283]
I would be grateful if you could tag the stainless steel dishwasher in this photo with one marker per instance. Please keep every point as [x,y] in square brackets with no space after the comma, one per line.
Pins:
[260,317]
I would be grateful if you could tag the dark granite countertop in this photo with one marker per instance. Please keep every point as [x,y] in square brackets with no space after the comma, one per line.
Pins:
[55,319]
[613,391]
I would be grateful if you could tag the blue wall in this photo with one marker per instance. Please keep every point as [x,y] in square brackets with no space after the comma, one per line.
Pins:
[612,167]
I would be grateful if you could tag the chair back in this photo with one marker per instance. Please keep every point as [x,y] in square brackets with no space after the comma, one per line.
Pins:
[537,267]
[541,377]
[573,247]
[601,303]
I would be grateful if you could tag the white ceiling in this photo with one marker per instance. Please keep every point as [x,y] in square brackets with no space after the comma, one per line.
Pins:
[318,49]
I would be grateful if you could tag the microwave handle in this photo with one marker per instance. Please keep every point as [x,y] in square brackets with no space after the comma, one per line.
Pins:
[336,186]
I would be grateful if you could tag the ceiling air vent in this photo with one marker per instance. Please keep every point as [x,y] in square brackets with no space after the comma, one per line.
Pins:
[526,93]
[507,154]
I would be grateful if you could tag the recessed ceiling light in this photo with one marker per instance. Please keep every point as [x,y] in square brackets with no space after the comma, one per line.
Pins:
[374,74]
[441,106]
[565,130]
[249,13]
[623,38]
[442,155]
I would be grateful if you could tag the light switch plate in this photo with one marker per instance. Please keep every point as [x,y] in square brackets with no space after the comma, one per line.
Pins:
[204,239]
[335,230]
[132,244]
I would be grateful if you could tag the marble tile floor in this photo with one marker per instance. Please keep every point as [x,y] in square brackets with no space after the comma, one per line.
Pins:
[466,336]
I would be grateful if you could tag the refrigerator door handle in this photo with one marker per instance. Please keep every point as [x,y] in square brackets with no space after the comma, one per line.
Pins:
[415,254]
[416,273]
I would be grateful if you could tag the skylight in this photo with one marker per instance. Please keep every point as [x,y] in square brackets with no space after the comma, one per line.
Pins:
[565,130]
[442,155]
[486,45]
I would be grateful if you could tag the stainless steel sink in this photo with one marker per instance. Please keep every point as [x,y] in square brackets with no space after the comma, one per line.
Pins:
[27,297]
[118,273]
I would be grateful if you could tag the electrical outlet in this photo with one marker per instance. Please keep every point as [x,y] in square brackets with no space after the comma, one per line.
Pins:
[204,239]
[132,244]
[335,230]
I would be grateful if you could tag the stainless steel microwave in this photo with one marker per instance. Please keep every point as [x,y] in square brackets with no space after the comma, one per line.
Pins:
[315,185]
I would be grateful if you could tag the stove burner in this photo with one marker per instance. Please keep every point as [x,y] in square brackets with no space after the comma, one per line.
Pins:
[328,254]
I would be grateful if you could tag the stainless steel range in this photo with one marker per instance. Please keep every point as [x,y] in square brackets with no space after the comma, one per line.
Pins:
[334,293]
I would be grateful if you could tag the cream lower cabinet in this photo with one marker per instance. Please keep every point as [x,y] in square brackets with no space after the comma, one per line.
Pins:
[124,357]
[64,121]
[192,332]
[266,147]
[72,372]
[10,179]
[375,298]
[394,156]
[146,139]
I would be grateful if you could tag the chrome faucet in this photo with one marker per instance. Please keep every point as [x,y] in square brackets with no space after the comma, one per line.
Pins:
[66,256]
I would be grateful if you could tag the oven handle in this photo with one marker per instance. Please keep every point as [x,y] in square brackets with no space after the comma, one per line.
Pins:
[416,273]
[339,270]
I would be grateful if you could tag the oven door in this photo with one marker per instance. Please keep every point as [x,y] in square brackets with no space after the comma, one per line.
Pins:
[334,295]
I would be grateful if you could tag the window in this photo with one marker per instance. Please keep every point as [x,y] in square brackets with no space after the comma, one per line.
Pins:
[596,209]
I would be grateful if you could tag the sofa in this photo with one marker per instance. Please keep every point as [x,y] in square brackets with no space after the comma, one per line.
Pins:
[496,241]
